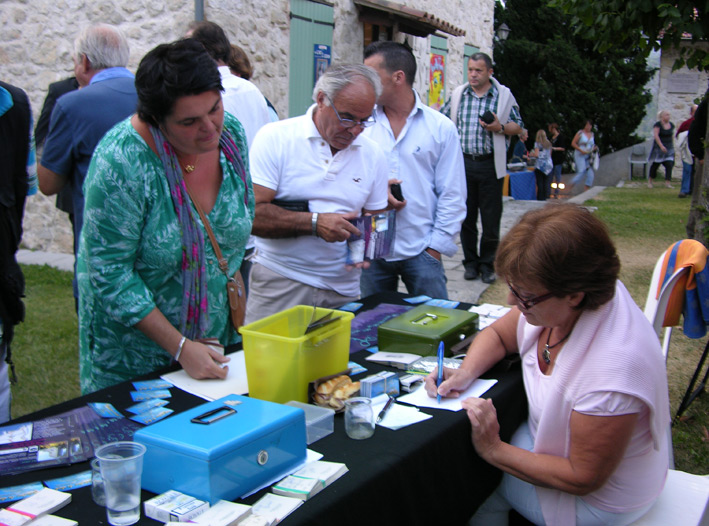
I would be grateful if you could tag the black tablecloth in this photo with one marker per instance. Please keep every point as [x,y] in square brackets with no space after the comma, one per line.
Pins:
[427,473]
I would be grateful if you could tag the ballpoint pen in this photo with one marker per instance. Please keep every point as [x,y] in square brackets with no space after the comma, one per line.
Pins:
[386,408]
[440,369]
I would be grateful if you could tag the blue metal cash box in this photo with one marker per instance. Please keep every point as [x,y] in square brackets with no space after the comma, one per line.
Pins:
[222,449]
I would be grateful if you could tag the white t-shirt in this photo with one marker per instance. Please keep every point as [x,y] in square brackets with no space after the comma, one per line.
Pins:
[292,158]
[243,99]
[428,158]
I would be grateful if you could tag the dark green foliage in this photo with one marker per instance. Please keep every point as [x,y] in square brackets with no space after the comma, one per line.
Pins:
[557,76]
[646,24]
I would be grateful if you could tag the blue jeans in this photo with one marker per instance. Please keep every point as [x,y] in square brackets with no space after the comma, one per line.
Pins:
[556,177]
[422,274]
[687,172]
[584,171]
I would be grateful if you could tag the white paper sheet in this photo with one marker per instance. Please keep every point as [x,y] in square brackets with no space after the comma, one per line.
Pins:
[420,398]
[213,389]
[398,415]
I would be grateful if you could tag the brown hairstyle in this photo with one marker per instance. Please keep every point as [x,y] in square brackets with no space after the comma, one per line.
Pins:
[564,248]
[239,63]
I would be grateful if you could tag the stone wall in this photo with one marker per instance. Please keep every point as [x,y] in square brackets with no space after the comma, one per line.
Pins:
[677,92]
[679,89]
[37,41]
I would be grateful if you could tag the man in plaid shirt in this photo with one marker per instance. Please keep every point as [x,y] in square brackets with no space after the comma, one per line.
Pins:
[485,154]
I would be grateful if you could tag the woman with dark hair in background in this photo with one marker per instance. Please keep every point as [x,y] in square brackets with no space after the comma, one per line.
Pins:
[584,145]
[558,153]
[150,287]
[240,65]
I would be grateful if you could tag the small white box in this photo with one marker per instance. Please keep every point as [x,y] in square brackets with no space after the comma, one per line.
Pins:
[189,510]
[224,513]
[173,506]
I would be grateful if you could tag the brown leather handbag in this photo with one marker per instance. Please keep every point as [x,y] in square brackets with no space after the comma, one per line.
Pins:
[234,284]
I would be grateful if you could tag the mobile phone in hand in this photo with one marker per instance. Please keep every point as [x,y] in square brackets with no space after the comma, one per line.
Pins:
[487,117]
[395,189]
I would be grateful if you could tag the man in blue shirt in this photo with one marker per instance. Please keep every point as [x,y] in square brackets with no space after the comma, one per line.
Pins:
[425,157]
[81,118]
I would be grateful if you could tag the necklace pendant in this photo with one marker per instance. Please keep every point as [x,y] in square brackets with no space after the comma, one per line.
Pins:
[546,355]
[189,168]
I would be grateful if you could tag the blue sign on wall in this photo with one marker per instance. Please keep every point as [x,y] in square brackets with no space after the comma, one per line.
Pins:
[322,56]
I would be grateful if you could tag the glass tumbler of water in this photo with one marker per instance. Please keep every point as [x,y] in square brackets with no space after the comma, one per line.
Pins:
[359,418]
[121,469]
[97,491]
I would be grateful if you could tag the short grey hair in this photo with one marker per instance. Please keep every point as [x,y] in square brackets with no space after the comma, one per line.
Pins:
[337,78]
[104,45]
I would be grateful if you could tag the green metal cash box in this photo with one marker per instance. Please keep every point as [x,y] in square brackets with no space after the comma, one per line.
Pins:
[421,329]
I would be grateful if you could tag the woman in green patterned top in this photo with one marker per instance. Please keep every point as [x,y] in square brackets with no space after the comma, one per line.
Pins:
[150,288]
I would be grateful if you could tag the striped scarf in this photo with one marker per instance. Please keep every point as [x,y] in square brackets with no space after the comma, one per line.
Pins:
[193,315]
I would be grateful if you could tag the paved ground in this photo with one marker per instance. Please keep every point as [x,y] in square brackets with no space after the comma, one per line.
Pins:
[458,288]
[469,291]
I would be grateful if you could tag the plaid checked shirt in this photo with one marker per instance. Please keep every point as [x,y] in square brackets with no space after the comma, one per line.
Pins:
[473,139]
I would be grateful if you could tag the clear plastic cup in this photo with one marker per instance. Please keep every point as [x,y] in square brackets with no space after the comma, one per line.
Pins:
[121,468]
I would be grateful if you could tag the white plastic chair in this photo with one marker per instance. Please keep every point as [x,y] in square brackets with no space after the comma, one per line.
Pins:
[655,308]
[638,155]
[683,502]
[685,497]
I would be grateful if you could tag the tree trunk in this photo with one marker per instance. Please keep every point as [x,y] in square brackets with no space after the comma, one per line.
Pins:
[699,209]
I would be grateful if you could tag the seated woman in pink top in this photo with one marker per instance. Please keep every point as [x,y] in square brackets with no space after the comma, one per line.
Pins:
[594,447]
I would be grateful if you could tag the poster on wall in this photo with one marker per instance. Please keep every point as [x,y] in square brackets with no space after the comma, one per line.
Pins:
[436,82]
[322,60]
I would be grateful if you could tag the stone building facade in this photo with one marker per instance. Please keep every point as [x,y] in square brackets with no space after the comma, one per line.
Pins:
[36,49]
[678,90]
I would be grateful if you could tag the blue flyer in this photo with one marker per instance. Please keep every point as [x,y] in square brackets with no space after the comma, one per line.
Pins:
[13,493]
[78,480]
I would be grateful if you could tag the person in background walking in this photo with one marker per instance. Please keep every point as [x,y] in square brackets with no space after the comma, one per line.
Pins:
[663,149]
[682,136]
[543,166]
[558,154]
[584,145]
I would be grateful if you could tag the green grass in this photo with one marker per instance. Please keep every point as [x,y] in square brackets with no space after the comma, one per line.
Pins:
[643,223]
[45,349]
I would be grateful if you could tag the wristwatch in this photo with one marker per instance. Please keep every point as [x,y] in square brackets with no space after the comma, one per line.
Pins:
[502,129]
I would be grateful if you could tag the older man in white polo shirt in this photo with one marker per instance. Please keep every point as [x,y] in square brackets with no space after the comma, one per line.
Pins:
[321,173]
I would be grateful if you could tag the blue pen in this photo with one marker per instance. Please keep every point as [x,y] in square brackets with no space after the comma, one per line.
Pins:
[440,369]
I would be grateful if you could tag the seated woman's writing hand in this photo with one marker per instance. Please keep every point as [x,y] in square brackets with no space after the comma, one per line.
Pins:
[486,428]
[455,381]
[199,361]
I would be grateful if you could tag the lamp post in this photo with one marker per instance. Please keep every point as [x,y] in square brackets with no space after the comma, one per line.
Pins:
[503,31]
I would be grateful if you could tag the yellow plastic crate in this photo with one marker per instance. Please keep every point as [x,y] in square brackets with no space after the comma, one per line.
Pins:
[281,360]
